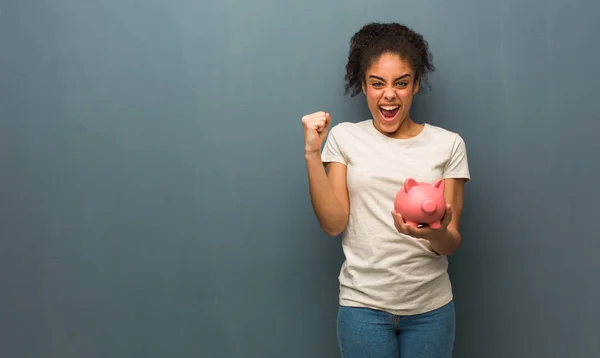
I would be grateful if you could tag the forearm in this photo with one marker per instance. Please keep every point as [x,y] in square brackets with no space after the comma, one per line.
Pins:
[328,209]
[446,242]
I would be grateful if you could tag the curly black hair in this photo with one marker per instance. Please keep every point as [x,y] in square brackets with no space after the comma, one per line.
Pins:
[376,39]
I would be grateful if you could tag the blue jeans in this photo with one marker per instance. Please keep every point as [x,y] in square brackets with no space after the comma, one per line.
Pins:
[365,333]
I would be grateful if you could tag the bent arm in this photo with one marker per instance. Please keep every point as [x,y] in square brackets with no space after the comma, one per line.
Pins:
[328,193]
[454,194]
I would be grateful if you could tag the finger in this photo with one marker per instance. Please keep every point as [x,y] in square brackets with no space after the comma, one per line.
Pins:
[319,118]
[398,222]
[311,121]
[412,230]
[416,231]
[394,216]
[397,227]
[448,215]
[327,121]
[317,115]
[318,125]
[401,225]
[419,232]
[408,228]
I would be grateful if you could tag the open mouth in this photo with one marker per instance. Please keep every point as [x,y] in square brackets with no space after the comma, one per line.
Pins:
[389,112]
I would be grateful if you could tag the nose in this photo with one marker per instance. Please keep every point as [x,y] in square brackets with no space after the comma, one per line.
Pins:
[389,95]
[428,206]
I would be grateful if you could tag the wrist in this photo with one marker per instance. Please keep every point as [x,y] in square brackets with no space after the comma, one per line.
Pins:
[312,154]
[441,234]
[445,241]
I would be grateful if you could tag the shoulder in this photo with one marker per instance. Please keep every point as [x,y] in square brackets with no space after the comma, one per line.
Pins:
[444,134]
[446,138]
[342,140]
[350,130]
[452,147]
[352,126]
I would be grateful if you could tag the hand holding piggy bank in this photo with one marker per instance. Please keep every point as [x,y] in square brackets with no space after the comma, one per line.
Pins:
[421,203]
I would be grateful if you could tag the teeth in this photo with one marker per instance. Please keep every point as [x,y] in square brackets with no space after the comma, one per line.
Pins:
[389,108]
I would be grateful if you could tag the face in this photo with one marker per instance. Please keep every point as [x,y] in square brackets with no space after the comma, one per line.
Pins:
[389,88]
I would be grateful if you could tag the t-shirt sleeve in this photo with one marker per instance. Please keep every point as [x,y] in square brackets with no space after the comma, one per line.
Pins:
[458,166]
[332,151]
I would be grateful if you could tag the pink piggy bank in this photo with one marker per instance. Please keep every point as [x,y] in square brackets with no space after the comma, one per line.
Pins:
[421,203]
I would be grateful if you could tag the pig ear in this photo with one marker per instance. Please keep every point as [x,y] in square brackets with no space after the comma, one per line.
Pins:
[439,184]
[409,184]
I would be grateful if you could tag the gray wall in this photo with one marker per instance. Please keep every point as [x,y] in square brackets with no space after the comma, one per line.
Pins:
[153,190]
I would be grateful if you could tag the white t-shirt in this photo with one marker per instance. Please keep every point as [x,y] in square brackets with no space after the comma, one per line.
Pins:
[384,269]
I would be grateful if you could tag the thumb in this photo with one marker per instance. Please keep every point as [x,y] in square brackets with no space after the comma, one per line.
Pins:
[448,213]
[327,119]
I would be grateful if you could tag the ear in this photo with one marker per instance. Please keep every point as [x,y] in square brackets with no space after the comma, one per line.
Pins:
[364,88]
[439,185]
[416,87]
[409,184]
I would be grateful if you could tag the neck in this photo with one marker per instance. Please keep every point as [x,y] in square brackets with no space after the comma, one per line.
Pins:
[407,129]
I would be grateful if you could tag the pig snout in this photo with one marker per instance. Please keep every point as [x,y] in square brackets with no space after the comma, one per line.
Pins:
[428,206]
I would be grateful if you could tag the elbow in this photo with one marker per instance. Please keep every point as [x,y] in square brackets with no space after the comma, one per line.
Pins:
[334,230]
[449,252]
[334,224]
[332,233]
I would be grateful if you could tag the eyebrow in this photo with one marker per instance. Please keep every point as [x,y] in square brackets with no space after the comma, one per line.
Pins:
[399,78]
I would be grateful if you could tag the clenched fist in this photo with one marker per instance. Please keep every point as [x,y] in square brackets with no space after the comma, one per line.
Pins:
[316,126]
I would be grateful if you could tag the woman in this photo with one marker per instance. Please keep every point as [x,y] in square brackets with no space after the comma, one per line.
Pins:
[395,294]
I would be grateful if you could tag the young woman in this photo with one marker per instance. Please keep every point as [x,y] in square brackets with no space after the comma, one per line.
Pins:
[395,294]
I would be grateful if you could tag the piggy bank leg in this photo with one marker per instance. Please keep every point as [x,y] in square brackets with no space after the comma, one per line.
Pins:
[435,225]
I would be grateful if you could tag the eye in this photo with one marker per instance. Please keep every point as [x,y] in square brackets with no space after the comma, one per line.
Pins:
[401,84]
[377,84]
